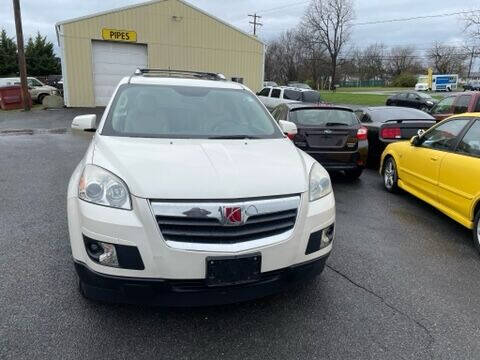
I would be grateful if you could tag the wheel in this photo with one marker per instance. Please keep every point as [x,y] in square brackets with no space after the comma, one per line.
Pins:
[390,176]
[353,174]
[476,231]
[40,98]
[388,103]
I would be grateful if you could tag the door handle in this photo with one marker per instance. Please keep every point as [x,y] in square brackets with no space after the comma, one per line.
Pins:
[433,158]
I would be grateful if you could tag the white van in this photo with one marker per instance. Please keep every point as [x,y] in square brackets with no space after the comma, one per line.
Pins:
[36,88]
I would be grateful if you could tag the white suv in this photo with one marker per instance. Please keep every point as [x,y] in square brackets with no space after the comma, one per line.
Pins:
[272,96]
[191,194]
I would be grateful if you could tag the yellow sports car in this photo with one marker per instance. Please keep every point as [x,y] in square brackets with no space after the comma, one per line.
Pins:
[442,167]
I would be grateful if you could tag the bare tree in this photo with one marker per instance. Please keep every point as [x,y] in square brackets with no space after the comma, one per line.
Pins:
[472,24]
[402,59]
[284,59]
[446,59]
[329,23]
[369,62]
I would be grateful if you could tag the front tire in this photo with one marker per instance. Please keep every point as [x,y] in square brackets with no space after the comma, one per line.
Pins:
[40,98]
[476,231]
[390,175]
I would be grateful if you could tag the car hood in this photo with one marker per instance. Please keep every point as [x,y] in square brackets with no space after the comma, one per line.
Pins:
[203,169]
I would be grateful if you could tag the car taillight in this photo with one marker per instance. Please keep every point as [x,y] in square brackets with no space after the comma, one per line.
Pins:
[391,133]
[362,133]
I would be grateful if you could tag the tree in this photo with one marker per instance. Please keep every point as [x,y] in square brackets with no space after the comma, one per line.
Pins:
[472,24]
[446,59]
[8,55]
[402,59]
[369,62]
[329,22]
[40,57]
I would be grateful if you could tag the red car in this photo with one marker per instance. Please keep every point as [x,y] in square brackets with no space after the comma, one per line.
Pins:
[456,104]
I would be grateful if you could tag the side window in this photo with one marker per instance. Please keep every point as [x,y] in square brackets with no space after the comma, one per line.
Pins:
[444,136]
[470,143]
[292,95]
[461,105]
[264,92]
[444,106]
[275,93]
[477,107]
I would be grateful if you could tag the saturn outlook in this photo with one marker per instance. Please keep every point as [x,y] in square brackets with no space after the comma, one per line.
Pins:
[191,194]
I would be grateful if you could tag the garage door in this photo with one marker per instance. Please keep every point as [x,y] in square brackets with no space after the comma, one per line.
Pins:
[111,62]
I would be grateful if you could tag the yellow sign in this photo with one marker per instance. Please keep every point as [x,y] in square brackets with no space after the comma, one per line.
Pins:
[430,78]
[119,35]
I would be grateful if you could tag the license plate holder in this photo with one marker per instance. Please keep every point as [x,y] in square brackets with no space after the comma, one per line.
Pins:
[233,270]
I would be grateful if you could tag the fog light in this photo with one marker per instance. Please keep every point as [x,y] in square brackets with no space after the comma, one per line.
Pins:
[327,236]
[109,256]
[120,256]
[101,252]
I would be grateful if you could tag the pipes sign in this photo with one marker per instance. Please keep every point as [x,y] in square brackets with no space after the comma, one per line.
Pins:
[119,35]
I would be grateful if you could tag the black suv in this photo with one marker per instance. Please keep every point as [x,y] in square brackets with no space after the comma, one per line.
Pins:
[332,135]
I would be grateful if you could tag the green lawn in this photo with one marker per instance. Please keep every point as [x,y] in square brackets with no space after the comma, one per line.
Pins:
[355,89]
[353,99]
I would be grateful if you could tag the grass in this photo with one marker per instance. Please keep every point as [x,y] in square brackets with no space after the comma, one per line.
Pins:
[354,99]
[355,89]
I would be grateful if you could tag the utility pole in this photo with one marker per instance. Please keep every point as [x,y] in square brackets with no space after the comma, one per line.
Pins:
[471,61]
[255,23]
[21,55]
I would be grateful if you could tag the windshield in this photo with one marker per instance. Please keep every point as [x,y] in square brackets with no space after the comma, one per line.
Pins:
[188,112]
[323,117]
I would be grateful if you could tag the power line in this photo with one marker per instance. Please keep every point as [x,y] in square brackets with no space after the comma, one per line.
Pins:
[414,18]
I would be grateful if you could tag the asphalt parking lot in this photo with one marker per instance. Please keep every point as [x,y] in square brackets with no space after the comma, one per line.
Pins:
[402,282]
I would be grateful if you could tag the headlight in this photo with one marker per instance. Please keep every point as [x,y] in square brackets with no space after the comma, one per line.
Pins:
[320,185]
[429,102]
[101,187]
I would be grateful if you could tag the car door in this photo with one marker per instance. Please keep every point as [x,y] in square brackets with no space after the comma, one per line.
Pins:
[459,179]
[443,109]
[461,104]
[420,165]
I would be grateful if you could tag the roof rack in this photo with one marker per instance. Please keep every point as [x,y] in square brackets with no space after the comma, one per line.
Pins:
[179,73]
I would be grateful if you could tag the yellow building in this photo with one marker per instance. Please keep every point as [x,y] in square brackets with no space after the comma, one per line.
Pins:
[98,50]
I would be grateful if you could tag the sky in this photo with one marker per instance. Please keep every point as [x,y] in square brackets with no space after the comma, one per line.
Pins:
[277,16]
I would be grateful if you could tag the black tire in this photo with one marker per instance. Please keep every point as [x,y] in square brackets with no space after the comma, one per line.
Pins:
[476,231]
[40,98]
[390,175]
[354,174]
[388,103]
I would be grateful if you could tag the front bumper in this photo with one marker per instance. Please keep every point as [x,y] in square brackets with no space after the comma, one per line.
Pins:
[138,228]
[195,292]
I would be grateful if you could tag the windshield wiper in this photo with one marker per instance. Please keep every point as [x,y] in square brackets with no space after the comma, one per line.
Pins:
[335,124]
[234,137]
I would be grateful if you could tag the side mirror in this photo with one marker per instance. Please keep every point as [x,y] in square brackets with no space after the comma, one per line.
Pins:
[415,141]
[288,128]
[420,132]
[85,122]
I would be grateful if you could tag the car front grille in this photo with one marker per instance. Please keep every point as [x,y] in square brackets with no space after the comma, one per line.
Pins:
[205,223]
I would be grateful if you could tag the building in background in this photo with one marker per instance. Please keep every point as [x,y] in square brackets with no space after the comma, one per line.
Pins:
[98,50]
